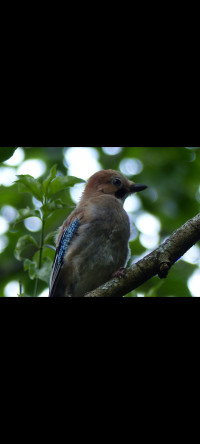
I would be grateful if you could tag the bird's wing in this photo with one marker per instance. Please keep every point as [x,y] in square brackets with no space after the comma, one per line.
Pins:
[61,249]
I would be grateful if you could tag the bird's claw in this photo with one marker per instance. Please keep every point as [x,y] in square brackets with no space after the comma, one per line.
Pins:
[119,273]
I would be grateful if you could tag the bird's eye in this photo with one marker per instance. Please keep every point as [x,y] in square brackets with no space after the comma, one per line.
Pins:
[117,182]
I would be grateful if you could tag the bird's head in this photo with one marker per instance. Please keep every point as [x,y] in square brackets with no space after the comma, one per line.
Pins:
[112,182]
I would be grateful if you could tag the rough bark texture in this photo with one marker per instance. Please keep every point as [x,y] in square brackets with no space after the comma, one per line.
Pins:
[158,262]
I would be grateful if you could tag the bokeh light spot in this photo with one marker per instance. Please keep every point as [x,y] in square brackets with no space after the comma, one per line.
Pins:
[36,202]
[44,294]
[112,150]
[7,176]
[147,224]
[81,162]
[11,289]
[34,167]
[9,213]
[131,167]
[192,256]
[133,229]
[33,224]
[149,241]
[193,283]
[3,225]
[132,203]
[16,158]
[76,192]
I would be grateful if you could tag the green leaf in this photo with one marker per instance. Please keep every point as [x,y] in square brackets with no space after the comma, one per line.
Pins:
[51,236]
[6,153]
[44,272]
[27,212]
[48,208]
[49,179]
[31,267]
[34,272]
[31,185]
[22,243]
[62,182]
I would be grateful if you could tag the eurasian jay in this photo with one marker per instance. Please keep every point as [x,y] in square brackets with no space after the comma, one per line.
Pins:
[92,244]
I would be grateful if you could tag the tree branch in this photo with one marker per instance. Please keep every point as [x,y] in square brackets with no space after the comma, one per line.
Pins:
[158,262]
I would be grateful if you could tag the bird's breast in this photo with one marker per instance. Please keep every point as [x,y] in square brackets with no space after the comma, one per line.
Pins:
[100,247]
[104,234]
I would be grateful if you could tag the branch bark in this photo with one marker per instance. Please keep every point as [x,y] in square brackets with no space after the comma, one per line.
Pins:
[158,262]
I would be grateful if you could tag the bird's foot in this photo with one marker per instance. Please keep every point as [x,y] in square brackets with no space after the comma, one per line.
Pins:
[119,273]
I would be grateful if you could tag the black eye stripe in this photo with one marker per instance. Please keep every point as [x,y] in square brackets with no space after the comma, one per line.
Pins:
[120,193]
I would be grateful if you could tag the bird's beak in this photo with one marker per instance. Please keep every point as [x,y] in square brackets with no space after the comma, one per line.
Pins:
[134,187]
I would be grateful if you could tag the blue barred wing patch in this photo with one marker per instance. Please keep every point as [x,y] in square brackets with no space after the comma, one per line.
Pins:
[62,247]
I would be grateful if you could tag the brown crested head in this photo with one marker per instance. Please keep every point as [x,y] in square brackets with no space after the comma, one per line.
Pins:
[111,182]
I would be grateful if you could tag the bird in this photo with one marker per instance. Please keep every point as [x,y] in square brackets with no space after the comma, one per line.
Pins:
[92,244]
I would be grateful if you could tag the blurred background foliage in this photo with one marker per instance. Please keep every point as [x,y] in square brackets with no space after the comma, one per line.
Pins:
[172,197]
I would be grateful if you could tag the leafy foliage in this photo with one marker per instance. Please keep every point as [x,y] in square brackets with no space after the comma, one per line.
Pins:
[39,264]
[40,268]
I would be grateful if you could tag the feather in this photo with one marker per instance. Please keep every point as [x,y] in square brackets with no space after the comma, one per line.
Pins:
[65,241]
